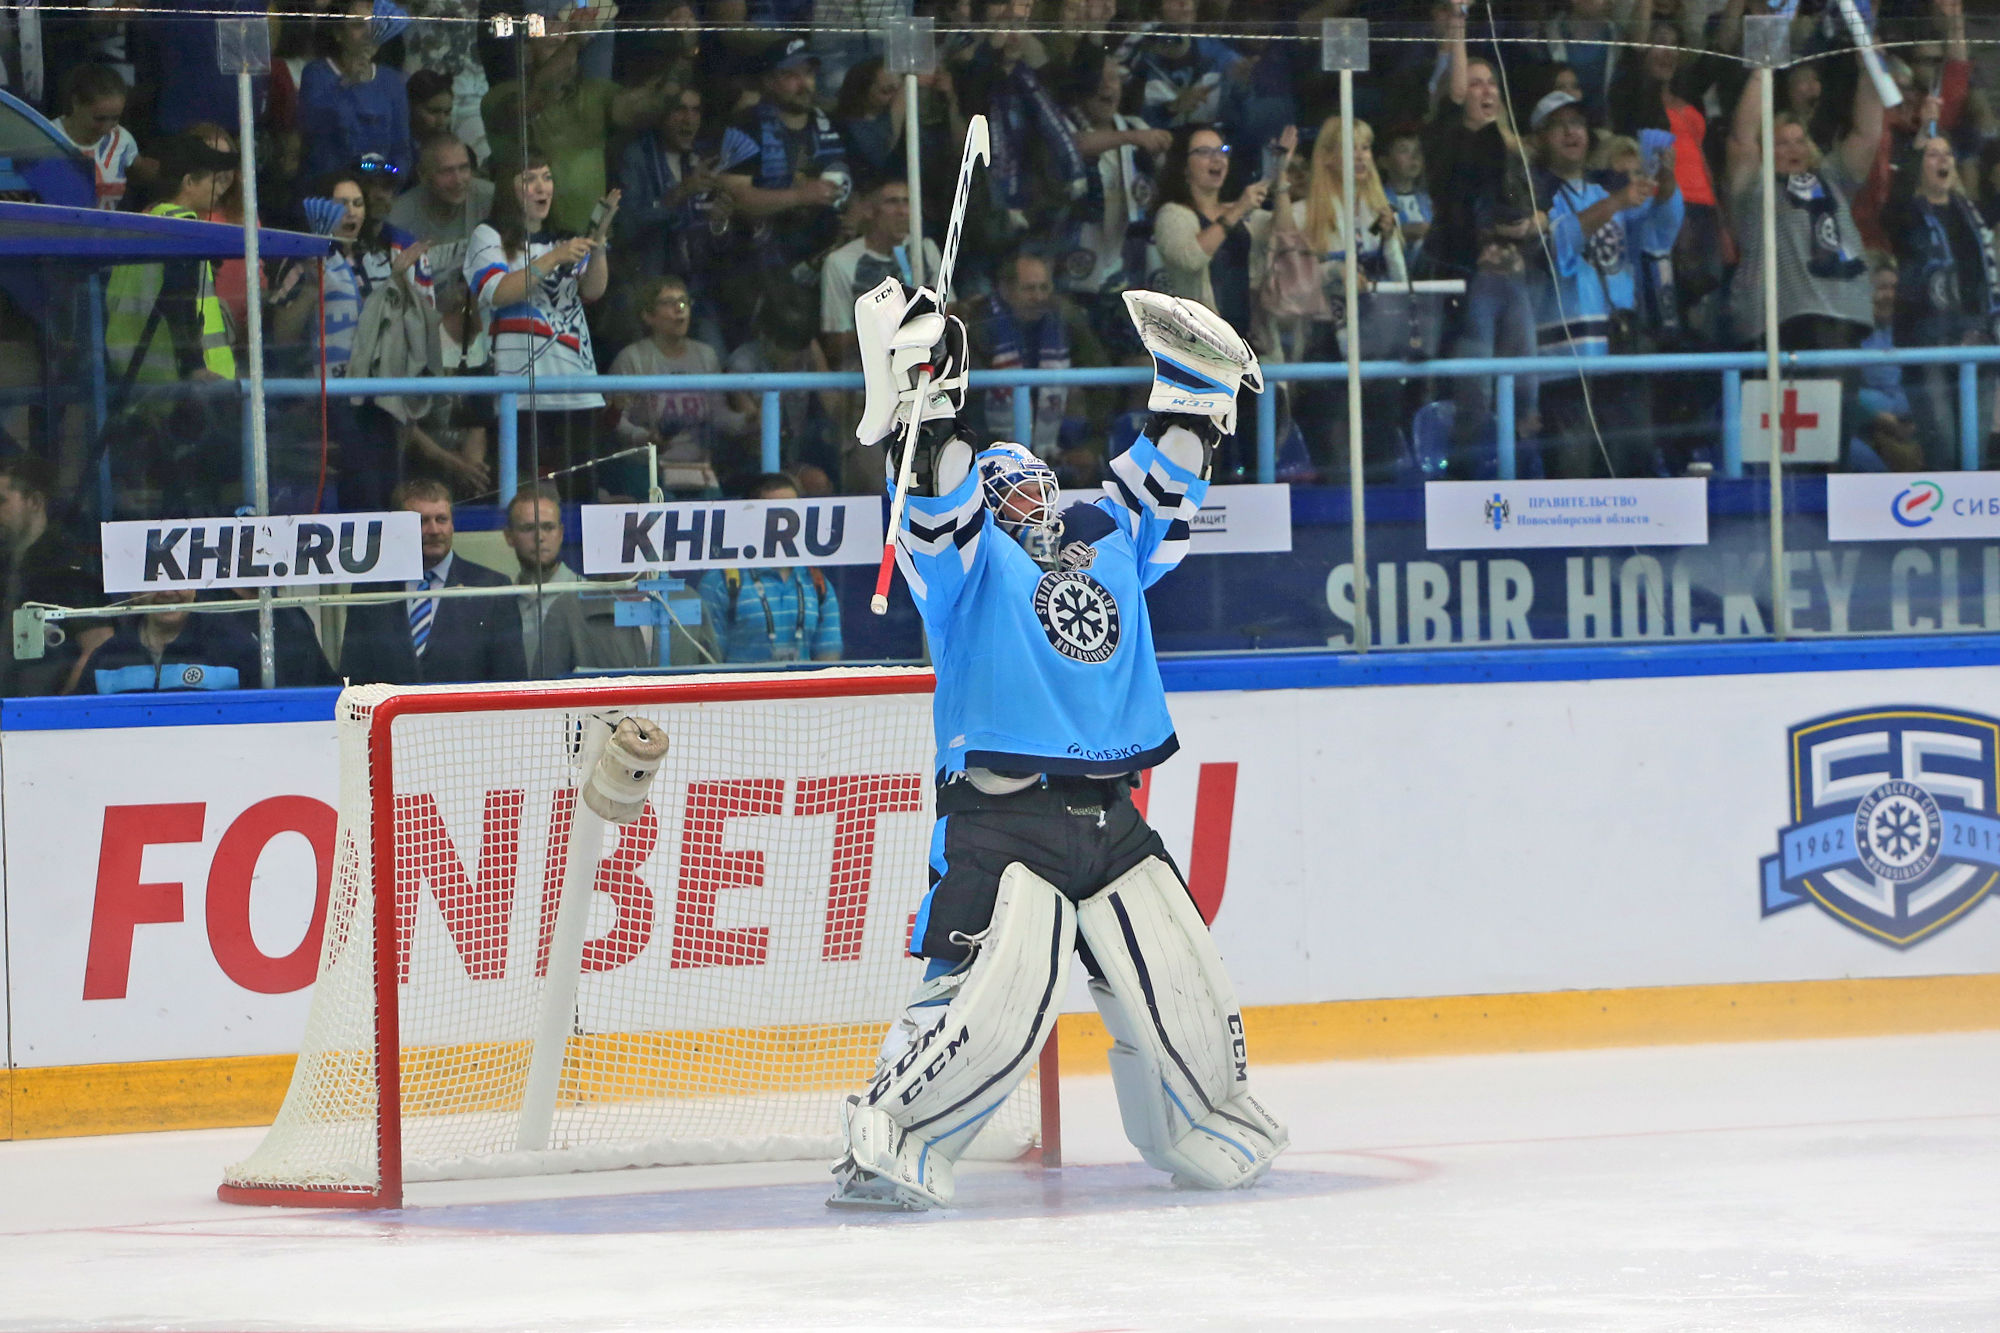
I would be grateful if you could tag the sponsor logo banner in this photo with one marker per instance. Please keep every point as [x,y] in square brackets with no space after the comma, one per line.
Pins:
[1912,506]
[1237,520]
[1895,832]
[1234,520]
[633,538]
[1490,515]
[305,550]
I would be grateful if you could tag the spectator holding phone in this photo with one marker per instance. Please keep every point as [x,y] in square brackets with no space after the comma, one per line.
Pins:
[1204,242]
[676,215]
[1586,297]
[532,281]
[1320,219]
[1662,91]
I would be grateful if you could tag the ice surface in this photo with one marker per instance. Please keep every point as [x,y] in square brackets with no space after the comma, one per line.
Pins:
[1798,1186]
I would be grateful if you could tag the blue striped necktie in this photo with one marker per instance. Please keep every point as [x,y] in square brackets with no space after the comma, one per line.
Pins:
[422,612]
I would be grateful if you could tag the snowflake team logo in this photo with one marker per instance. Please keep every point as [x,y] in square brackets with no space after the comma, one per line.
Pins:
[1605,249]
[1896,821]
[1078,614]
[1898,831]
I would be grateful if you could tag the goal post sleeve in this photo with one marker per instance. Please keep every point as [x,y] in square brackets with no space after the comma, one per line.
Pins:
[558,1002]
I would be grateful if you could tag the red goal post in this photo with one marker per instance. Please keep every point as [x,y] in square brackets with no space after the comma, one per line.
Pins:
[507,986]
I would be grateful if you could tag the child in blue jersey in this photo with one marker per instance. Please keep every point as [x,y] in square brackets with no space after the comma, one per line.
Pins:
[1048,708]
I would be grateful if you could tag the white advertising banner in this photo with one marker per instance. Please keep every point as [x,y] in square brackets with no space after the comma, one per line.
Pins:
[1351,843]
[294,551]
[1912,506]
[1234,520]
[1499,515]
[718,534]
[1808,421]
[164,885]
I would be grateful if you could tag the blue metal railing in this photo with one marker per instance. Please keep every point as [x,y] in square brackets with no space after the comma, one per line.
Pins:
[1505,371]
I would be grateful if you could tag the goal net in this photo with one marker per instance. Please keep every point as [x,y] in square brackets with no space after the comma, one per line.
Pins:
[509,986]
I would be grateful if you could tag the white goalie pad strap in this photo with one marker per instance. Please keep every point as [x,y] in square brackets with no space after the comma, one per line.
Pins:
[1178,1060]
[961,1064]
[897,334]
[888,1166]
[1198,360]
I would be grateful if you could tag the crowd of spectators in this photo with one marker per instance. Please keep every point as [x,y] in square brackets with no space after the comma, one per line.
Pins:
[671,187]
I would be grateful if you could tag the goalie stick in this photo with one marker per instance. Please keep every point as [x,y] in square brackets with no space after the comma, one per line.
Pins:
[976,154]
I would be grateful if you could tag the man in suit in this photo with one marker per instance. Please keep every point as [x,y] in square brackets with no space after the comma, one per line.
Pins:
[425,640]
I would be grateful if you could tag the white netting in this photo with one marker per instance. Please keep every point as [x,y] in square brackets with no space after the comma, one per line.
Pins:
[745,948]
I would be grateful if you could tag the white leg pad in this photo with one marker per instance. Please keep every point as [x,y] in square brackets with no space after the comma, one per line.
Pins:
[1178,1060]
[932,1094]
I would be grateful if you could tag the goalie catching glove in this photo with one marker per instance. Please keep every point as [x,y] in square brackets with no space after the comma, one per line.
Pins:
[1199,362]
[901,331]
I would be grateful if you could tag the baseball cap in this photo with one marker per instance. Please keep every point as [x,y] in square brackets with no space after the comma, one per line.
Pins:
[1553,103]
[791,54]
[189,155]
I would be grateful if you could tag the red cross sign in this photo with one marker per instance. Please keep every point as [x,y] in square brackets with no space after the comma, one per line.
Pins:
[1808,421]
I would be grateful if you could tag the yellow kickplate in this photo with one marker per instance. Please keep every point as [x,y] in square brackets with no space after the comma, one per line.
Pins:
[148,1095]
[247,1090]
[1560,1020]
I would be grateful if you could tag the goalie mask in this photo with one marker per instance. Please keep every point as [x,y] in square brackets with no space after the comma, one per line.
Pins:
[1021,493]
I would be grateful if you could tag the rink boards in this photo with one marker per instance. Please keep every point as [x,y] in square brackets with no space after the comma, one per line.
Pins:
[1411,853]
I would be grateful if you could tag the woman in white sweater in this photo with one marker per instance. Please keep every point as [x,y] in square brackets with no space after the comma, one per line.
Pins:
[1204,242]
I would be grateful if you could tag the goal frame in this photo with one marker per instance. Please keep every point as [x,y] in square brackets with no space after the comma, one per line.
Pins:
[638,692]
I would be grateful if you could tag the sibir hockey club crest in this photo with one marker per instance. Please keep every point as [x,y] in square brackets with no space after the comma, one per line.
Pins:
[1895,827]
[1078,614]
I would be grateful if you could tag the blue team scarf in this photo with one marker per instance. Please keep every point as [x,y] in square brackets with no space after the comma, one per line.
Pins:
[1078,262]
[1829,257]
[774,160]
[1011,343]
[1022,111]
[1942,281]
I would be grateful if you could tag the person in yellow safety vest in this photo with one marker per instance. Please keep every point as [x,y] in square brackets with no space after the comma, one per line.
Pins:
[164,323]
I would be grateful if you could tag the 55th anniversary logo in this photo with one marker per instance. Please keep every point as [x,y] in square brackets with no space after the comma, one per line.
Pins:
[1895,829]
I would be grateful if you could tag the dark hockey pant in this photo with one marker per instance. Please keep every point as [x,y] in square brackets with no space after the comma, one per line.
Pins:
[1079,834]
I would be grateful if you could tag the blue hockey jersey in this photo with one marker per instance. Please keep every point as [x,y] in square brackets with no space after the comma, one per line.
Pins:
[1050,672]
[1591,276]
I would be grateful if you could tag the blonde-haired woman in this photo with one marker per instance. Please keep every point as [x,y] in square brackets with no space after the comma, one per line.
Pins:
[1948,284]
[1320,219]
